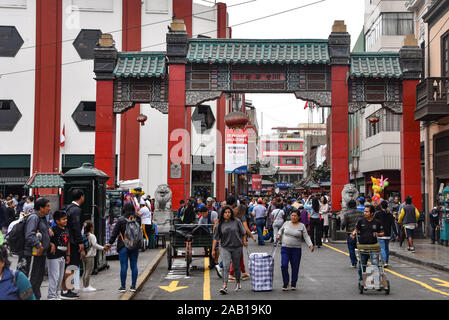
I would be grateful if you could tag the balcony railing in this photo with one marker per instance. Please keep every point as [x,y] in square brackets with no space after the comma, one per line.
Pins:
[432,99]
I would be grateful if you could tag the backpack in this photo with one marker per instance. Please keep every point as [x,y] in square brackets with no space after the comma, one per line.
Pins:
[16,237]
[288,212]
[86,243]
[133,234]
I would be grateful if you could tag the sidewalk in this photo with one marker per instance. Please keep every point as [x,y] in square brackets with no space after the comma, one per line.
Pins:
[107,281]
[432,255]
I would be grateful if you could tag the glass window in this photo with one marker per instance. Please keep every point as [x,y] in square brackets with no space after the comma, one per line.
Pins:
[445,55]
[397,23]
[286,146]
[290,160]
[271,146]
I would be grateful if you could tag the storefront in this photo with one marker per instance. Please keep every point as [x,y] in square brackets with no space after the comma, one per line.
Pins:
[14,173]
[202,176]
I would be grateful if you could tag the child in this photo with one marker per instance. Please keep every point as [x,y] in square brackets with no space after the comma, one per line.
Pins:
[89,259]
[59,254]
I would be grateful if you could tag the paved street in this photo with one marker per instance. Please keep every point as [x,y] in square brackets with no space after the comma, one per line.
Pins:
[324,274]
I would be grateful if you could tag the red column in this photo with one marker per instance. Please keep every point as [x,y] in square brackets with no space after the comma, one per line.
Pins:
[183,9]
[105,130]
[47,108]
[410,146]
[130,128]
[221,113]
[339,134]
[179,139]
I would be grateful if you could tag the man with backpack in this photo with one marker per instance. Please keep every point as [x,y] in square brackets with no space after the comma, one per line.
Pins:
[37,244]
[129,236]
[74,224]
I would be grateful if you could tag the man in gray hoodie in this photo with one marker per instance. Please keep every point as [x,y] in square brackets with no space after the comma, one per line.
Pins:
[37,244]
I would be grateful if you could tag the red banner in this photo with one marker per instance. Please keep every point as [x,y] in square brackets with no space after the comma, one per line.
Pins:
[257,182]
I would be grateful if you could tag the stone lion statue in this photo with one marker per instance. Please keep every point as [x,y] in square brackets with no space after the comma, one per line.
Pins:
[162,208]
[162,197]
[349,193]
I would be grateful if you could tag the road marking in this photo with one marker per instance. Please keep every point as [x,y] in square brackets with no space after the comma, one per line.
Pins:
[443,283]
[425,285]
[172,287]
[206,285]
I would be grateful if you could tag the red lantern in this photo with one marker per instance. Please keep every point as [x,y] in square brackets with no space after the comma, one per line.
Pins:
[236,119]
[142,118]
[373,120]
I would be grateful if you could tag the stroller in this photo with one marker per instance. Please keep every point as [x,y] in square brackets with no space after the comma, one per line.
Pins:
[373,276]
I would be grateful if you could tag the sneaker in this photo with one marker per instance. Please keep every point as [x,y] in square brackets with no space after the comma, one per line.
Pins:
[354,265]
[285,287]
[132,289]
[122,289]
[245,276]
[412,249]
[224,290]
[386,265]
[293,288]
[89,289]
[219,271]
[231,278]
[70,295]
[238,286]
[327,240]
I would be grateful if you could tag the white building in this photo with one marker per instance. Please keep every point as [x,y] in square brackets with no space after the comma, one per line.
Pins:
[24,39]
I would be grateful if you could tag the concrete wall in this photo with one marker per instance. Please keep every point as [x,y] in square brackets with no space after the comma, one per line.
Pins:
[435,33]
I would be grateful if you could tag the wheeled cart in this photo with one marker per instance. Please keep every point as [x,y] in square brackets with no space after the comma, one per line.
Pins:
[373,275]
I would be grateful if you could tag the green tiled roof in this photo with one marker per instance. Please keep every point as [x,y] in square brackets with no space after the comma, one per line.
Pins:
[258,51]
[140,64]
[373,65]
[50,180]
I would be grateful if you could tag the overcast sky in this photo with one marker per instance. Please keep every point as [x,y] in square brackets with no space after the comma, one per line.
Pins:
[312,22]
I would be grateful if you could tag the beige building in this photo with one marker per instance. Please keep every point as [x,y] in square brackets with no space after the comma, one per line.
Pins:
[432,101]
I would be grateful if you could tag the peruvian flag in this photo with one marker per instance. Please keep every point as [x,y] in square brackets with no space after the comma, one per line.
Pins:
[306,105]
[62,139]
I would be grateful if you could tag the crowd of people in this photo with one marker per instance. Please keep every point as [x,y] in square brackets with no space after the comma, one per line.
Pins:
[64,242]
[59,245]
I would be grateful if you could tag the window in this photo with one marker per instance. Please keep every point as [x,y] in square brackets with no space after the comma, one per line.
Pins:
[84,116]
[290,160]
[9,115]
[274,160]
[388,121]
[97,5]
[203,118]
[156,6]
[10,41]
[397,23]
[271,146]
[85,43]
[289,146]
[445,55]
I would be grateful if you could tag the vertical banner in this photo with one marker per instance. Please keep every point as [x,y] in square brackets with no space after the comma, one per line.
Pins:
[236,151]
[257,182]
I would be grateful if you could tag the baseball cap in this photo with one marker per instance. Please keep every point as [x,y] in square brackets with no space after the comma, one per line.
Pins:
[142,201]
[209,199]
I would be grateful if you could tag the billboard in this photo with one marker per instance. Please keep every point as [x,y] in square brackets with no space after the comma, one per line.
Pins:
[236,151]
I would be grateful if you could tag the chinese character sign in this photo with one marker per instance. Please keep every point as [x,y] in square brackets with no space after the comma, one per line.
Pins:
[236,151]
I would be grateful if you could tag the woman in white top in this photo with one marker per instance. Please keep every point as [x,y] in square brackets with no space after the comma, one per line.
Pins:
[147,225]
[278,219]
[324,212]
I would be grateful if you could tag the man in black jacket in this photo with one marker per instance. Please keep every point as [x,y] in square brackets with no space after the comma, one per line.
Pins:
[386,218]
[434,216]
[37,244]
[350,219]
[74,224]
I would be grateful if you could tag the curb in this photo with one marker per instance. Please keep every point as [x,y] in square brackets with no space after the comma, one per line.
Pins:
[145,275]
[419,261]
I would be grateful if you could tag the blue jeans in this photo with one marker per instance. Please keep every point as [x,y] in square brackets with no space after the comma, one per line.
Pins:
[351,248]
[124,255]
[260,223]
[374,257]
[292,255]
[384,249]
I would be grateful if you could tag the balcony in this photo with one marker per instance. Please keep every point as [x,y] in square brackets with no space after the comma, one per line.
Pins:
[432,99]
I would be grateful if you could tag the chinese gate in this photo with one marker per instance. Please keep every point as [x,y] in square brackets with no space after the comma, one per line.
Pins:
[324,71]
